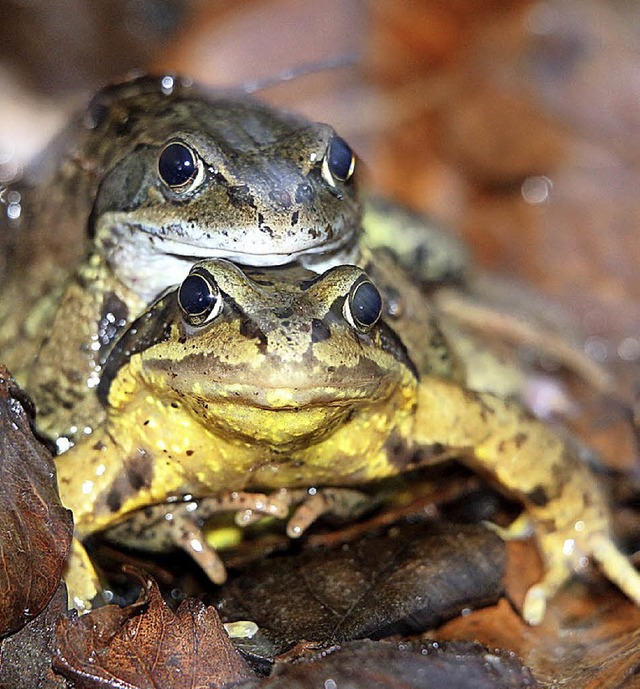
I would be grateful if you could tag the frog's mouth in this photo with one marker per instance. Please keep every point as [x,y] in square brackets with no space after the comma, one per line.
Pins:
[291,397]
[148,262]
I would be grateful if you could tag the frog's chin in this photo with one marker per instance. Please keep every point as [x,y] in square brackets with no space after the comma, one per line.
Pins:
[279,424]
[147,263]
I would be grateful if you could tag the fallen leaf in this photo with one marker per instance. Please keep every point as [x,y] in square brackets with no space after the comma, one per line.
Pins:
[35,530]
[411,578]
[383,664]
[147,646]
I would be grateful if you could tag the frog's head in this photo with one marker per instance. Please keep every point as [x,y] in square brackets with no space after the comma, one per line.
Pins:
[280,356]
[188,173]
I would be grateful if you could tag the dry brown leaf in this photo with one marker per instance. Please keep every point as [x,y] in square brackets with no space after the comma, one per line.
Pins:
[147,646]
[35,530]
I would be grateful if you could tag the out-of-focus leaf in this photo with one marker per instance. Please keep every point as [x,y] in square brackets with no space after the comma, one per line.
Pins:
[25,657]
[35,530]
[404,581]
[146,645]
[383,664]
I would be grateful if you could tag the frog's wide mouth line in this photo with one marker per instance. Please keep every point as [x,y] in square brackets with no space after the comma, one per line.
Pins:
[293,399]
[192,254]
[230,242]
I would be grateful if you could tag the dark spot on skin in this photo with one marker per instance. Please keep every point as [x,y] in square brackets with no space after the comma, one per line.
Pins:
[139,470]
[520,439]
[264,282]
[304,193]
[250,329]
[240,196]
[284,312]
[124,126]
[114,500]
[397,451]
[175,405]
[404,457]
[99,446]
[263,227]
[538,496]
[136,474]
[189,453]
[294,218]
[392,344]
[306,284]
[135,479]
[319,331]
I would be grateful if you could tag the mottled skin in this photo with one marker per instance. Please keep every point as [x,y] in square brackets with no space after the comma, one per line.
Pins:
[281,389]
[95,206]
[96,201]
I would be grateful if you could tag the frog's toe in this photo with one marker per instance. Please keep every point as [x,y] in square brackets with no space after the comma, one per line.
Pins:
[190,538]
[343,503]
[520,528]
[616,567]
[535,605]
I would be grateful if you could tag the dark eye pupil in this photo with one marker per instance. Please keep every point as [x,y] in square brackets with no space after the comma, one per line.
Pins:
[177,165]
[196,297]
[366,304]
[339,158]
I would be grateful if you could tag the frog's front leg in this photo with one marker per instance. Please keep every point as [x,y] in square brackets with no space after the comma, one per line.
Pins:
[569,514]
[181,524]
[81,578]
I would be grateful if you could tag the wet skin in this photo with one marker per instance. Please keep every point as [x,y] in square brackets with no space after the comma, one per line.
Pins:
[259,381]
[147,180]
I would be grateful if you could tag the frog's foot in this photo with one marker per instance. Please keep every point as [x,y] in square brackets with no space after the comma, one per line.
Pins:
[81,578]
[179,524]
[343,503]
[562,562]
[520,528]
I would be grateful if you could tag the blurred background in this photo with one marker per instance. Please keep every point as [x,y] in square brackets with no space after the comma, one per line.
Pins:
[514,122]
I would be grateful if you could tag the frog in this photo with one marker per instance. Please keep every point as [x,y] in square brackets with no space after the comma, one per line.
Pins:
[156,173]
[272,382]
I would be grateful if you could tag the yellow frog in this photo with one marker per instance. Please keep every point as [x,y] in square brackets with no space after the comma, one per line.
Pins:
[241,387]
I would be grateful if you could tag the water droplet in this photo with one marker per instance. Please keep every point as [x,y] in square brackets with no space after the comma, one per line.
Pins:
[167,84]
[536,190]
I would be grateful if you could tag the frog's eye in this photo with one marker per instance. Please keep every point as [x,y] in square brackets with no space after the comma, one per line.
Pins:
[199,297]
[338,162]
[179,167]
[363,308]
